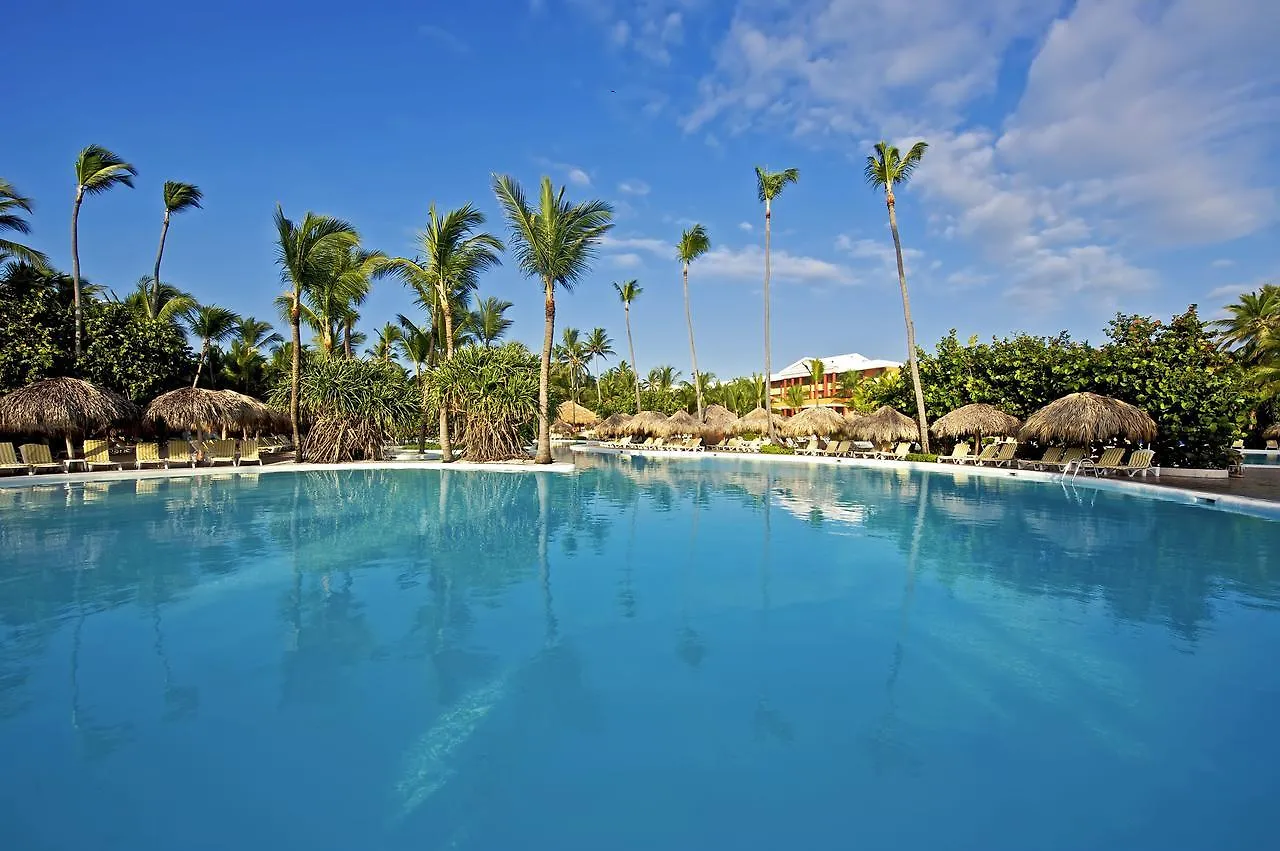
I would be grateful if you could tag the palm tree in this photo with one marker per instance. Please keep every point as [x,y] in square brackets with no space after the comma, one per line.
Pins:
[554,243]
[177,197]
[385,347]
[572,355]
[662,378]
[884,168]
[328,306]
[769,185]
[1253,323]
[306,252]
[794,397]
[257,334]
[97,170]
[212,324]
[816,371]
[598,346]
[10,219]
[416,344]
[628,291]
[489,320]
[163,303]
[693,244]
[455,253]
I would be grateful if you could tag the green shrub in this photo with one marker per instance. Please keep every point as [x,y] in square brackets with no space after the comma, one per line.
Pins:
[927,457]
[772,449]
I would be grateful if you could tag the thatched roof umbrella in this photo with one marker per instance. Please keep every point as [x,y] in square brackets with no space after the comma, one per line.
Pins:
[613,425]
[1272,432]
[852,422]
[647,423]
[681,422]
[1085,418]
[195,408]
[887,425]
[976,420]
[757,422]
[64,407]
[573,414]
[252,413]
[717,421]
[819,420]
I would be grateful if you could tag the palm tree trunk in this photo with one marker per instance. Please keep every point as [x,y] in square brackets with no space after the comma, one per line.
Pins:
[204,353]
[446,440]
[155,278]
[543,455]
[911,327]
[75,267]
[422,418]
[346,339]
[693,352]
[295,375]
[631,346]
[768,353]
[599,398]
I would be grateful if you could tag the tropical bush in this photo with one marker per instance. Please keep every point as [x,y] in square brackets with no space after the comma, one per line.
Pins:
[775,449]
[923,457]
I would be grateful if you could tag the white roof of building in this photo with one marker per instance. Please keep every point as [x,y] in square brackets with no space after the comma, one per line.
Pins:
[833,363]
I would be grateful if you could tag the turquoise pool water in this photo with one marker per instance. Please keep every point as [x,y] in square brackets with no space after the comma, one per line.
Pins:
[655,655]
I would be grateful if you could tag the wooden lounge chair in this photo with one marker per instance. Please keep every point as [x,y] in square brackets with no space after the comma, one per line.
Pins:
[147,453]
[220,451]
[180,452]
[901,451]
[836,449]
[1107,462]
[249,453]
[1004,455]
[988,453]
[9,459]
[1139,462]
[1052,455]
[959,454]
[1069,459]
[812,447]
[97,454]
[36,456]
[696,445]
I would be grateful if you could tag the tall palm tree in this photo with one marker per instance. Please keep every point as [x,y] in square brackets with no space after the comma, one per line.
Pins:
[572,355]
[177,197]
[416,345]
[598,345]
[1253,323]
[816,371]
[212,324]
[555,243]
[11,202]
[306,252]
[454,254]
[886,167]
[97,170]
[769,185]
[489,320]
[164,303]
[693,244]
[385,347]
[662,378]
[256,334]
[628,291]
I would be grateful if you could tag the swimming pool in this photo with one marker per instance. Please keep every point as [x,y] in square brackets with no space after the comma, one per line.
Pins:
[645,654]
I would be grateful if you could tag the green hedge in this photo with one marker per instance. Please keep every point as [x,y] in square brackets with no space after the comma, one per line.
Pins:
[771,449]
[928,457]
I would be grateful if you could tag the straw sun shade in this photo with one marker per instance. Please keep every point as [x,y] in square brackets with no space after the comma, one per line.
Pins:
[64,407]
[681,422]
[1272,432]
[197,408]
[885,426]
[613,425]
[1084,418]
[647,423]
[571,413]
[252,413]
[980,420]
[756,422]
[719,418]
[819,420]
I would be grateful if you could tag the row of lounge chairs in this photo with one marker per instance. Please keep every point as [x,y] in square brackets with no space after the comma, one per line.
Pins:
[688,444]
[1061,459]
[36,457]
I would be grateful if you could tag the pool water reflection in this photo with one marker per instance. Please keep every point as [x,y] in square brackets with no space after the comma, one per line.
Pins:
[647,654]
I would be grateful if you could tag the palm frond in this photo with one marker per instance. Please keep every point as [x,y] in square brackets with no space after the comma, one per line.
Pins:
[628,291]
[559,240]
[769,184]
[693,243]
[907,165]
[181,196]
[98,169]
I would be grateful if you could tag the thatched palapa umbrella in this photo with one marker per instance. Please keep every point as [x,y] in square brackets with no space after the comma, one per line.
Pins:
[757,422]
[613,425]
[976,420]
[819,420]
[1084,418]
[252,413]
[647,423]
[195,408]
[64,407]
[573,414]
[1272,432]
[681,422]
[887,425]
[718,418]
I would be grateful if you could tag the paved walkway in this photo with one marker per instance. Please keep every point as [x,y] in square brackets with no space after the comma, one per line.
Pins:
[1257,483]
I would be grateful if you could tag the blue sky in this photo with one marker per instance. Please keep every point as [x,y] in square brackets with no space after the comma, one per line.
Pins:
[1085,157]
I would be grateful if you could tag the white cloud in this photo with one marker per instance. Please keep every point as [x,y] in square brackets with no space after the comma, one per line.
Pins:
[881,254]
[627,260]
[650,28]
[579,177]
[1229,291]
[574,174]
[648,245]
[737,263]
[746,226]
[1223,263]
[634,187]
[444,38]
[620,33]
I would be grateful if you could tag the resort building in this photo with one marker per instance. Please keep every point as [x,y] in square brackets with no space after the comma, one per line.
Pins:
[800,374]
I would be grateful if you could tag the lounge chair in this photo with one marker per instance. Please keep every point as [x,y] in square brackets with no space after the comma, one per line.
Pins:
[959,454]
[249,453]
[220,451]
[649,443]
[1052,455]
[147,453]
[1069,459]
[1273,445]
[36,456]
[1237,445]
[1107,462]
[717,447]
[696,445]
[812,447]
[97,454]
[834,450]
[1139,462]
[180,452]
[899,453]
[1004,455]
[988,453]
[9,459]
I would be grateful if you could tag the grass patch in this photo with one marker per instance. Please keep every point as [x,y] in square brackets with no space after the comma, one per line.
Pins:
[928,457]
[771,449]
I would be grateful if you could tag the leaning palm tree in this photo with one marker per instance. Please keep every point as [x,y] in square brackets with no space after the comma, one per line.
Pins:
[164,303]
[306,252]
[628,291]
[886,167]
[693,244]
[211,324]
[598,346]
[454,254]
[489,320]
[11,203]
[97,170]
[555,243]
[177,197]
[1252,324]
[769,185]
